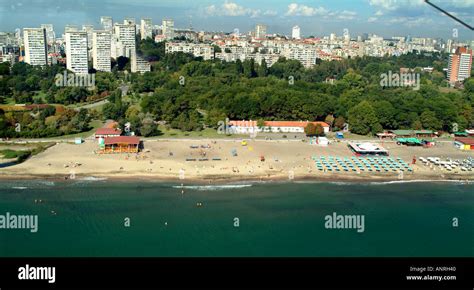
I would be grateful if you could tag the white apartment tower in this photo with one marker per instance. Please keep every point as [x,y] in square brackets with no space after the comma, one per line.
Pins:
[50,35]
[71,28]
[101,47]
[167,27]
[76,52]
[36,51]
[260,31]
[124,40]
[107,23]
[296,33]
[146,28]
[129,20]
[89,29]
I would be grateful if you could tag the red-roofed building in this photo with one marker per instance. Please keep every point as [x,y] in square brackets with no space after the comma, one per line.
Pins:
[248,127]
[464,143]
[121,144]
[107,132]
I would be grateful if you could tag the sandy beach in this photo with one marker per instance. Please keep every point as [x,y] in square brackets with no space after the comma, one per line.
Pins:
[166,160]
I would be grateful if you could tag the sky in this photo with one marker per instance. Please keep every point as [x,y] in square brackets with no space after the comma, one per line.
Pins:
[315,18]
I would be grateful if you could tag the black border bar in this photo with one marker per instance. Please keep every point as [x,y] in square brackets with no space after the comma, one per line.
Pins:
[220,273]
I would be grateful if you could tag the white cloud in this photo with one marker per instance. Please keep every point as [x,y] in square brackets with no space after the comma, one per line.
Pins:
[372,19]
[295,9]
[411,22]
[347,15]
[270,13]
[379,13]
[231,9]
[400,4]
[395,4]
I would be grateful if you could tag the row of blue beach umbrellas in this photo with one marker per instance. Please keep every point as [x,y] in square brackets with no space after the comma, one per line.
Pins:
[370,164]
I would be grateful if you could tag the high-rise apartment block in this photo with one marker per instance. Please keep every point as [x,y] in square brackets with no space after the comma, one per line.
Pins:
[296,32]
[167,27]
[460,64]
[76,52]
[146,28]
[260,31]
[101,49]
[124,40]
[36,51]
[107,23]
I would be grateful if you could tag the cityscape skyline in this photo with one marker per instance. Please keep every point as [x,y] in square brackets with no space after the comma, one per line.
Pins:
[316,18]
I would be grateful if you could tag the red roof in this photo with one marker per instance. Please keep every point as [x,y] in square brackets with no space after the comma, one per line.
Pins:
[465,140]
[122,140]
[108,131]
[301,124]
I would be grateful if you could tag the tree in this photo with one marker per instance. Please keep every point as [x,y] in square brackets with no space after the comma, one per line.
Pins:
[310,129]
[329,120]
[339,122]
[363,119]
[430,121]
[319,130]
[263,69]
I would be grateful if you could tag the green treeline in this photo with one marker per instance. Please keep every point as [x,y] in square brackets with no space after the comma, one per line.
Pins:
[191,94]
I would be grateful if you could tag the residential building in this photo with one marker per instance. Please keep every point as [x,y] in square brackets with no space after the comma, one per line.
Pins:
[168,28]
[76,52]
[296,32]
[106,22]
[260,31]
[460,64]
[101,50]
[36,51]
[50,35]
[138,64]
[89,29]
[146,28]
[206,51]
[123,43]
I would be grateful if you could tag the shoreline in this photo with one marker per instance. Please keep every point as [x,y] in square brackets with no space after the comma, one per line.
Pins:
[168,162]
[224,179]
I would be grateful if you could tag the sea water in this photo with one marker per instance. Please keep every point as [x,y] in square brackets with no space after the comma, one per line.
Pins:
[94,217]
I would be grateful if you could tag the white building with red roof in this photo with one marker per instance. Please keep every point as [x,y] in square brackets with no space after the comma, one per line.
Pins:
[107,132]
[249,127]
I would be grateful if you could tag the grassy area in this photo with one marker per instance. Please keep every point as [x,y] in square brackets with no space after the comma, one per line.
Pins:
[10,154]
[95,125]
[22,155]
[352,136]
[206,133]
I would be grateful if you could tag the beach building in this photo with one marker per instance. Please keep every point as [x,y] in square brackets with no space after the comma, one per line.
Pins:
[249,127]
[413,133]
[121,144]
[319,141]
[367,149]
[107,132]
[386,135]
[464,143]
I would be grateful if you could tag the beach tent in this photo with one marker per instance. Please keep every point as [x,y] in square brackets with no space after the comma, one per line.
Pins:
[409,141]
[323,141]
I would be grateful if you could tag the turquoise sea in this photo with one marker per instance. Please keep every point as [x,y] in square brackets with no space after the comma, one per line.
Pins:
[86,218]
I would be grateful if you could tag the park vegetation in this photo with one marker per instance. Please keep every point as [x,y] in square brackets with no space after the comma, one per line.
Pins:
[191,94]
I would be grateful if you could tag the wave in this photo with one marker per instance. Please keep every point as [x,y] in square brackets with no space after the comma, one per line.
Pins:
[212,187]
[92,178]
[422,181]
[19,187]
